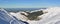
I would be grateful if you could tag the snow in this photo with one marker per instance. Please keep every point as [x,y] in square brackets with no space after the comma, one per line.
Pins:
[6,18]
[52,17]
[19,16]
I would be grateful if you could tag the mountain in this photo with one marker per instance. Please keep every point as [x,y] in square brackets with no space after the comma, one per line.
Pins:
[6,18]
[52,17]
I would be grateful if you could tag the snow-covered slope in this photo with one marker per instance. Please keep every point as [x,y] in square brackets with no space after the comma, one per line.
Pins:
[19,16]
[52,17]
[6,18]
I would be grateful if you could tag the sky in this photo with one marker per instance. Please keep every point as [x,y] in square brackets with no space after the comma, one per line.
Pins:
[29,3]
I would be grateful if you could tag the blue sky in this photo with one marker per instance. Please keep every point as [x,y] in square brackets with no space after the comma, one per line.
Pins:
[29,3]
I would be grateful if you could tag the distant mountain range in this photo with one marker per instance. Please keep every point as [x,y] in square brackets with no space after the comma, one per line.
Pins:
[21,9]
